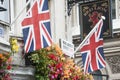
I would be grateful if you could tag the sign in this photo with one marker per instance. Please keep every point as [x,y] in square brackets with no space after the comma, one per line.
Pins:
[90,14]
[67,48]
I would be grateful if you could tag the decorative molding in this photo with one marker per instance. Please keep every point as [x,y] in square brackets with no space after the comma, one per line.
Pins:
[4,45]
[114,62]
[4,23]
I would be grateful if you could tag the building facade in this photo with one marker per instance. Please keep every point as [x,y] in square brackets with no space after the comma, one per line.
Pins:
[4,27]
[111,47]
[64,20]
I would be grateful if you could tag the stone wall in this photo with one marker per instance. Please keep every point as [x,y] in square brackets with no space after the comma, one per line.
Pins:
[20,71]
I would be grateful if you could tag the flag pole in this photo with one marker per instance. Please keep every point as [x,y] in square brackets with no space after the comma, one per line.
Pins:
[20,13]
[79,47]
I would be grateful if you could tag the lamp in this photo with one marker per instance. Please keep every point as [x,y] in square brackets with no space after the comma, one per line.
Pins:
[71,3]
[2,1]
[1,7]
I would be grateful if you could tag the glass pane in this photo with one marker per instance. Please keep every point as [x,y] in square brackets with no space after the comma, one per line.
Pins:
[113,9]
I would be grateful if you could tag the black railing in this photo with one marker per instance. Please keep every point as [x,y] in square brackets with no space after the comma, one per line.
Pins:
[103,76]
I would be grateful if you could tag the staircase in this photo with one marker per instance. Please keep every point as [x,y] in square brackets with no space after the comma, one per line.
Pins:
[20,71]
[78,59]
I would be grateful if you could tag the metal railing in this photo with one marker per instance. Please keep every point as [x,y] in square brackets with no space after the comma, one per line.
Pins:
[101,76]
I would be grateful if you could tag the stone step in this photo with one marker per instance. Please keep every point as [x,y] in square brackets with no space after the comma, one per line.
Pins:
[22,73]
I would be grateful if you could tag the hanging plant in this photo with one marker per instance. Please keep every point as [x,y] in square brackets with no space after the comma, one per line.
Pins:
[40,61]
[6,59]
[5,65]
[51,64]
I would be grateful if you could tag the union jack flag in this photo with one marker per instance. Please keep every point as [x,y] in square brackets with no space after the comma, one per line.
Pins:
[92,50]
[36,27]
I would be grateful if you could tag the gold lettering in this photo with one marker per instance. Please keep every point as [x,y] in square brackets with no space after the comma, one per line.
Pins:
[87,9]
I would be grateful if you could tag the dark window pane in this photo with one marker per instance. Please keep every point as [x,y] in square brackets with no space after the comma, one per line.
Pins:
[113,9]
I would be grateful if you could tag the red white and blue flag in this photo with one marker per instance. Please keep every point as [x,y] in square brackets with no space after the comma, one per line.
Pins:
[36,27]
[92,49]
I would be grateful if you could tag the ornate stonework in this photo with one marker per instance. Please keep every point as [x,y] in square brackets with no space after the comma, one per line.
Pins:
[114,62]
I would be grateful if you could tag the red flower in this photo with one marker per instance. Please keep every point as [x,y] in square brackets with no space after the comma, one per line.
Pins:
[59,65]
[75,78]
[9,67]
[7,77]
[53,57]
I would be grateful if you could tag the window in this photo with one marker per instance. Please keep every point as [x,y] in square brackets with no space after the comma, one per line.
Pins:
[113,9]
[28,6]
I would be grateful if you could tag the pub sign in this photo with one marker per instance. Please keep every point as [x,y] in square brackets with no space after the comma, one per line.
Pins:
[90,14]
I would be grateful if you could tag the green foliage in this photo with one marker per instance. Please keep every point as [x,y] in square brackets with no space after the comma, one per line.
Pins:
[40,61]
